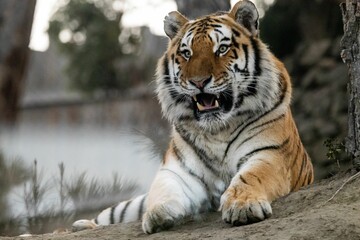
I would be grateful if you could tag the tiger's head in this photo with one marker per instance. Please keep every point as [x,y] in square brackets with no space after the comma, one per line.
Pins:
[216,70]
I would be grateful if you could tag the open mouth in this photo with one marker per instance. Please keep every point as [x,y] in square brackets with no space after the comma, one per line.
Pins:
[206,102]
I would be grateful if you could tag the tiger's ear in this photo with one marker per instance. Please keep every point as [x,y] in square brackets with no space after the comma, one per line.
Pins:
[173,22]
[246,14]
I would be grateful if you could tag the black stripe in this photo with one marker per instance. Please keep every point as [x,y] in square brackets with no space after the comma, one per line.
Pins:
[166,66]
[236,33]
[174,95]
[215,25]
[175,173]
[257,178]
[245,70]
[217,36]
[176,60]
[300,172]
[183,118]
[225,39]
[186,184]
[235,54]
[141,208]
[181,159]
[253,121]
[268,122]
[305,178]
[296,155]
[199,152]
[236,68]
[310,175]
[251,89]
[234,42]
[178,154]
[269,147]
[252,136]
[112,221]
[217,20]
[257,59]
[167,80]
[246,53]
[239,101]
[192,29]
[123,211]
[243,180]
[217,30]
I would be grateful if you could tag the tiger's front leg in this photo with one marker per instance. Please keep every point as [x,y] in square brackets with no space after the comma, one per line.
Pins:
[174,194]
[252,189]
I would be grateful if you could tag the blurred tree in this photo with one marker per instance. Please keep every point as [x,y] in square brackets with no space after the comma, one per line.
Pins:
[90,35]
[350,54]
[15,26]
[195,8]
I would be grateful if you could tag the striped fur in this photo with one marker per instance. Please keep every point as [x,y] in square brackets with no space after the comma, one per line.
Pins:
[237,157]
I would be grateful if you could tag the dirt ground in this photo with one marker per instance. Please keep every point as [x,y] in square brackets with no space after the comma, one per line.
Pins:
[306,214]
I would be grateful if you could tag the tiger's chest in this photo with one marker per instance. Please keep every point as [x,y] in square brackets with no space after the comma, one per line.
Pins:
[210,153]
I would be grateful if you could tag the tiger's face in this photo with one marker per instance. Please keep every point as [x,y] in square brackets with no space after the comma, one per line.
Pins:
[211,71]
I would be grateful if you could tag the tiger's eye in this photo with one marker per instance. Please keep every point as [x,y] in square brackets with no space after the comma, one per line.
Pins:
[223,48]
[186,54]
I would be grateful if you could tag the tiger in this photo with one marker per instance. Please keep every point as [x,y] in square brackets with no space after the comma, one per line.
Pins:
[234,145]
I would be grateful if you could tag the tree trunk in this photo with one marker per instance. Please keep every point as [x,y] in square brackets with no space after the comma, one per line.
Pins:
[350,45]
[196,8]
[16,18]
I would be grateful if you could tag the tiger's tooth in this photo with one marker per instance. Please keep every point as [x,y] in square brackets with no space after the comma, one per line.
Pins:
[216,103]
[200,107]
[195,98]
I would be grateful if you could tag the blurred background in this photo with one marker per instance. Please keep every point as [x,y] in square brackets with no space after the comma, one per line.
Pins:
[80,126]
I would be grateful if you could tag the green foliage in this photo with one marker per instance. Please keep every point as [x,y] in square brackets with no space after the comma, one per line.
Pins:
[336,149]
[90,35]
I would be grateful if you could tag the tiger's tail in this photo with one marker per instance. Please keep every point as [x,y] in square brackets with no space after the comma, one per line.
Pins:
[124,212]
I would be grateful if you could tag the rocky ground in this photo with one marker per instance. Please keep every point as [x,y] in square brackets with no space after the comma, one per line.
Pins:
[311,213]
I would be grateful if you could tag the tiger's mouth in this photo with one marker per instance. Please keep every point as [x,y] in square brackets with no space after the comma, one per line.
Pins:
[206,102]
[211,103]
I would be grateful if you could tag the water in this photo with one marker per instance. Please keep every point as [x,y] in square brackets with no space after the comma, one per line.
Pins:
[99,152]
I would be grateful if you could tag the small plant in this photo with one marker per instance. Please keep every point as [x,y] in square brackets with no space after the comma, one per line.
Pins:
[336,148]
[13,172]
[78,197]
[91,195]
[33,196]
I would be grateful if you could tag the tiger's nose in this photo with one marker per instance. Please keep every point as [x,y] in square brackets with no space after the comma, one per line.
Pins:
[200,83]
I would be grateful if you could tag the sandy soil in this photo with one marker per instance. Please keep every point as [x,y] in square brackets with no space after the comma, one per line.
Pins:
[306,214]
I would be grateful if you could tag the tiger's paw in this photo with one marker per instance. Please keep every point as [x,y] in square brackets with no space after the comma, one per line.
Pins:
[83,224]
[159,218]
[242,209]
